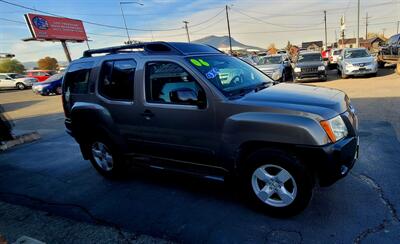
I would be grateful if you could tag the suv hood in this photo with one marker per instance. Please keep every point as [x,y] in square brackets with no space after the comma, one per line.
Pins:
[325,102]
[360,60]
[269,66]
[310,64]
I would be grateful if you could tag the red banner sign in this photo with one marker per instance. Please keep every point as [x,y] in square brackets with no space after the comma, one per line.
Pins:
[55,28]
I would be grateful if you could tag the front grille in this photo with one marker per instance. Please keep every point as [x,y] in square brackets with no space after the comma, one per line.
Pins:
[362,64]
[309,69]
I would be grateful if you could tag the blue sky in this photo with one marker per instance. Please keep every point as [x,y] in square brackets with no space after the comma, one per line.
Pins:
[253,22]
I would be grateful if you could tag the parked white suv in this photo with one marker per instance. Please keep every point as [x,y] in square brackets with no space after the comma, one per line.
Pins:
[13,80]
[356,62]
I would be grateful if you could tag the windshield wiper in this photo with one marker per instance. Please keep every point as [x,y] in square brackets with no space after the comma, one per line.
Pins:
[262,86]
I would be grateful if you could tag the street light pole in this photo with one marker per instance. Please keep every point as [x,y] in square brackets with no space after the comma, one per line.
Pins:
[187,30]
[229,29]
[123,16]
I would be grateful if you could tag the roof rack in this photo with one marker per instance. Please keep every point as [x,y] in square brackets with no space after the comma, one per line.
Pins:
[153,47]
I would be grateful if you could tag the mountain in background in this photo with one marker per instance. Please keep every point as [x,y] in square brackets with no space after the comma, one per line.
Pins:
[222,43]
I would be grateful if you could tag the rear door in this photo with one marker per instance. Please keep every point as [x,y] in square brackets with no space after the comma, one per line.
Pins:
[115,88]
[6,81]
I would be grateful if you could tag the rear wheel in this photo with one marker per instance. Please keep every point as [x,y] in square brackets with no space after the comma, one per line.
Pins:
[106,159]
[277,184]
[21,86]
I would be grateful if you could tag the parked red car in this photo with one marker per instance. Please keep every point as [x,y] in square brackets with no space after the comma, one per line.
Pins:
[40,75]
[325,54]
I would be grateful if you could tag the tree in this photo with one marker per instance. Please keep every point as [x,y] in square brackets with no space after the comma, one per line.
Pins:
[48,63]
[11,66]
[272,49]
[373,35]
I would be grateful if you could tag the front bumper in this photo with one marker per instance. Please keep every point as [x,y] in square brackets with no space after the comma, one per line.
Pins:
[357,70]
[318,75]
[333,161]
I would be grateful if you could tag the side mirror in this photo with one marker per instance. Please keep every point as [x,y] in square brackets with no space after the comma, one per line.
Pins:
[188,96]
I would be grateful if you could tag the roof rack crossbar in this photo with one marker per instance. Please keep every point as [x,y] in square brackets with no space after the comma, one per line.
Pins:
[115,49]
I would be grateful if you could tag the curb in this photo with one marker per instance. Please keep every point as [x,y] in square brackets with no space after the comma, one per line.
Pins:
[25,138]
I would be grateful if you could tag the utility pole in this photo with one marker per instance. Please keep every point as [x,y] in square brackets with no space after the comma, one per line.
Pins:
[398,26]
[358,24]
[366,26]
[326,32]
[187,30]
[229,29]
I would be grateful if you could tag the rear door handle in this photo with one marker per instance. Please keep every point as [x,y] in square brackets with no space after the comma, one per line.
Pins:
[147,114]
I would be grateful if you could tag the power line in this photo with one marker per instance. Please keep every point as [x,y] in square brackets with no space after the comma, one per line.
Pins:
[266,22]
[86,21]
[208,20]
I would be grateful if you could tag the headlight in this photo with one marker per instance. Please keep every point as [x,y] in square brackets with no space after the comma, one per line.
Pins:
[321,68]
[335,128]
[276,75]
[297,70]
[348,64]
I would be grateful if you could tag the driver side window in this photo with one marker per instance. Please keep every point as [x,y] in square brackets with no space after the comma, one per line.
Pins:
[164,79]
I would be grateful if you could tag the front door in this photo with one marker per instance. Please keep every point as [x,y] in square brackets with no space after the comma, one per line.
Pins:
[172,129]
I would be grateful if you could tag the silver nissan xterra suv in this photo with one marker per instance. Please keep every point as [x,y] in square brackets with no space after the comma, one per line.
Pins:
[190,108]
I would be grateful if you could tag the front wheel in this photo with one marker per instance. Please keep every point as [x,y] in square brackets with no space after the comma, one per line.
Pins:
[59,90]
[21,86]
[278,184]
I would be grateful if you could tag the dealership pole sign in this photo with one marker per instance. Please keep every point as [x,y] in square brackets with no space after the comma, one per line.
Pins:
[50,28]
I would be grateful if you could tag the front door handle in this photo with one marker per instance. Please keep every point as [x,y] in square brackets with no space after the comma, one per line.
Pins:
[147,114]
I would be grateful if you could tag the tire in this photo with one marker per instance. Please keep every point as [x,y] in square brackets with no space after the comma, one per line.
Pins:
[381,64]
[283,79]
[286,188]
[106,159]
[59,90]
[20,86]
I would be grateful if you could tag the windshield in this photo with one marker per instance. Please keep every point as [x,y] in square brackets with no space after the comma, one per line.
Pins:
[230,75]
[357,53]
[16,76]
[337,52]
[309,57]
[54,77]
[270,60]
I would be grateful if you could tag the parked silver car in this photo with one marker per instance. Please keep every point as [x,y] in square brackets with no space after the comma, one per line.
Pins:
[356,61]
[13,80]
[275,66]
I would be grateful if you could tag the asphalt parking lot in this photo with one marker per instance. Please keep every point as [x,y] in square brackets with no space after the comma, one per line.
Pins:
[50,175]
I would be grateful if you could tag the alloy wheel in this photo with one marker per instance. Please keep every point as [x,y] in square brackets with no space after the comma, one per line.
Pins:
[102,156]
[274,185]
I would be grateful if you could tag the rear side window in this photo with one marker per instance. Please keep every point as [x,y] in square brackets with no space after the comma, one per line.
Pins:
[117,79]
[77,78]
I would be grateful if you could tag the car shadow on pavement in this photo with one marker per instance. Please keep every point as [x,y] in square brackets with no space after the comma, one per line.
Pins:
[9,107]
